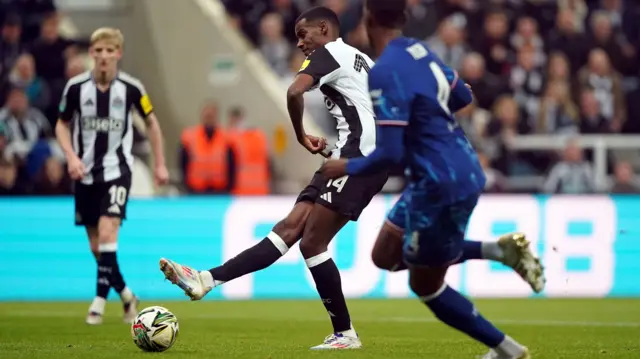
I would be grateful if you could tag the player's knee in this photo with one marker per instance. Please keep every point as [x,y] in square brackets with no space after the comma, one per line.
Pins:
[309,247]
[108,230]
[382,259]
[290,230]
[426,283]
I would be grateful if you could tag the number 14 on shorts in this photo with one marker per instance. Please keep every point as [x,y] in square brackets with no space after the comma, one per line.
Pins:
[338,183]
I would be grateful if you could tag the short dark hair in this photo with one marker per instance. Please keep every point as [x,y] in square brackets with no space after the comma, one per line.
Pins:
[320,13]
[388,13]
[236,111]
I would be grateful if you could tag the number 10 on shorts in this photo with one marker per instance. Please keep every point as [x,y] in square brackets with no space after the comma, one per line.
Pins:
[117,195]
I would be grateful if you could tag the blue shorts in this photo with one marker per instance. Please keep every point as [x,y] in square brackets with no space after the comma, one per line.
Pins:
[433,234]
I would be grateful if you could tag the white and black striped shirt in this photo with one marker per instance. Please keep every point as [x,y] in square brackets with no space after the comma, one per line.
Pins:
[103,123]
[341,73]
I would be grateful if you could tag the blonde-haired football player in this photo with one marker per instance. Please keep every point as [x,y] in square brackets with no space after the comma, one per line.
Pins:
[95,132]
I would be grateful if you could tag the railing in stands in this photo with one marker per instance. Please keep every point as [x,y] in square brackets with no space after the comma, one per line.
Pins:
[600,144]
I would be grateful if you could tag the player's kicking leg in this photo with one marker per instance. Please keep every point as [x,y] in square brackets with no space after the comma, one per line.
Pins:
[510,249]
[196,284]
[429,250]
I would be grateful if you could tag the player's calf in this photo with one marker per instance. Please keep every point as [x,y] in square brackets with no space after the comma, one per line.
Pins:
[387,250]
[196,284]
[109,274]
[458,312]
[323,224]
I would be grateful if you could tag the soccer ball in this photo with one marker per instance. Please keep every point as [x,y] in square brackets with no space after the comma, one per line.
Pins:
[155,329]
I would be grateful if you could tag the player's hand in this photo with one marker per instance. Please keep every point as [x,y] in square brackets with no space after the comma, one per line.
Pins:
[76,168]
[334,168]
[468,86]
[314,144]
[161,175]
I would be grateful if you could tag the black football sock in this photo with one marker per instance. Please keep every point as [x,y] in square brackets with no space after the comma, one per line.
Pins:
[253,259]
[106,264]
[117,281]
[329,285]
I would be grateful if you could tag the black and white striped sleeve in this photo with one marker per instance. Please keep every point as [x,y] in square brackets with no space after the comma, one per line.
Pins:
[69,103]
[321,65]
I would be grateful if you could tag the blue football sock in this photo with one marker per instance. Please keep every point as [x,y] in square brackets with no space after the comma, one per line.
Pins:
[458,312]
[471,250]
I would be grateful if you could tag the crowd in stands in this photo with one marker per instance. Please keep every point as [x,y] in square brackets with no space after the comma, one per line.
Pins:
[546,67]
[35,63]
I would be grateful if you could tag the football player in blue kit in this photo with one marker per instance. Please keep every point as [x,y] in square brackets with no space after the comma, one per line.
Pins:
[414,103]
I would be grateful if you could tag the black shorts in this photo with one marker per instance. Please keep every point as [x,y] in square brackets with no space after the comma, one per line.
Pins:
[96,200]
[348,195]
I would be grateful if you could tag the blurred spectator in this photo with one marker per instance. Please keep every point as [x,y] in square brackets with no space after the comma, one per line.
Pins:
[207,160]
[448,43]
[558,113]
[10,45]
[625,181]
[527,82]
[591,121]
[247,13]
[622,54]
[493,44]
[527,35]
[474,121]
[496,181]
[26,125]
[606,83]
[33,13]
[8,178]
[52,179]
[24,76]
[505,125]
[5,151]
[572,175]
[289,11]
[579,10]
[567,38]
[273,45]
[486,86]
[50,50]
[250,146]
[422,19]
[558,70]
[74,66]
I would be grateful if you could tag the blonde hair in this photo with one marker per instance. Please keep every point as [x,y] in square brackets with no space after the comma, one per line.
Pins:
[108,34]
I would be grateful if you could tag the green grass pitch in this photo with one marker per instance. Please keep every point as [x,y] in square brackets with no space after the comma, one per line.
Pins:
[402,329]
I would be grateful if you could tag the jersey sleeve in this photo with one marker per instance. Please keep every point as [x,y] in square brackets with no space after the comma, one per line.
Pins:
[391,99]
[69,102]
[320,65]
[141,101]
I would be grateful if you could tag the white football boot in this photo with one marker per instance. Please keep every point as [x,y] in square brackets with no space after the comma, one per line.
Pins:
[184,277]
[492,354]
[94,318]
[519,256]
[130,310]
[337,341]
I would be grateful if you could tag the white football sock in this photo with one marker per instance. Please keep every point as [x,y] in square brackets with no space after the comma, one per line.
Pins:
[492,251]
[208,281]
[509,348]
[97,306]
[350,333]
[126,295]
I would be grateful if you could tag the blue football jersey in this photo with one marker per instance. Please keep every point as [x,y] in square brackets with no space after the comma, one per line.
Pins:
[410,86]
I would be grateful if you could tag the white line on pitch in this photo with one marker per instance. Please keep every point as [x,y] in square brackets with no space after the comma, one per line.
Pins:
[212,316]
